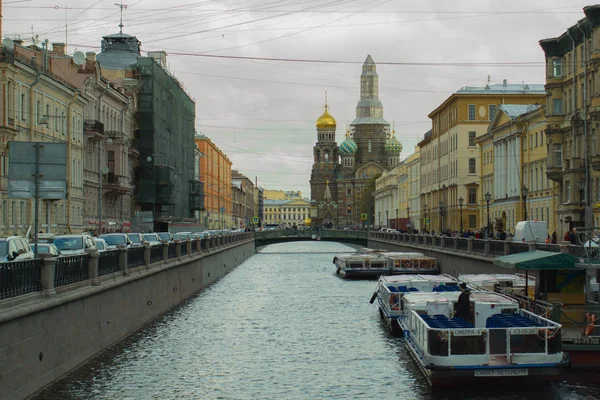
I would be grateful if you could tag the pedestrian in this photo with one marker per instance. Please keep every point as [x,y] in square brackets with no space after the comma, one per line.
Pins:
[554,237]
[463,307]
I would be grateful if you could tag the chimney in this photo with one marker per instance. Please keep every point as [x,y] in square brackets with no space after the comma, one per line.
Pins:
[504,82]
[58,48]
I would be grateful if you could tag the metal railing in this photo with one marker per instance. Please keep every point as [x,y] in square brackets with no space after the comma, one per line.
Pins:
[135,256]
[172,253]
[20,277]
[183,247]
[71,270]
[108,262]
[156,253]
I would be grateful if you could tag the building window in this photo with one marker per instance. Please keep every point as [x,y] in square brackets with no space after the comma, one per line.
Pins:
[23,106]
[472,135]
[472,196]
[38,111]
[567,192]
[558,154]
[557,67]
[472,221]
[348,192]
[536,139]
[492,111]
[471,112]
[472,169]
[370,148]
[22,214]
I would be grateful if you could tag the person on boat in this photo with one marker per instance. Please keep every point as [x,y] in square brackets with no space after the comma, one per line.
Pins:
[463,307]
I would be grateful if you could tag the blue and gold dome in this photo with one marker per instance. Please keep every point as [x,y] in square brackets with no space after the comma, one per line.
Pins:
[348,146]
[392,144]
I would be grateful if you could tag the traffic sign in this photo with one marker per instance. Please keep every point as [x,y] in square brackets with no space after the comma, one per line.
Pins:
[427,220]
[255,220]
[363,217]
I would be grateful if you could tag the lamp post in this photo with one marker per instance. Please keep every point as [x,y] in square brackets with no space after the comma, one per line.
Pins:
[408,217]
[379,218]
[460,204]
[396,219]
[150,159]
[386,218]
[442,209]
[524,193]
[425,215]
[581,186]
[488,197]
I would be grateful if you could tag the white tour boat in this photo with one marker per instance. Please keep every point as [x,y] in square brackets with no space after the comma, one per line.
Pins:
[361,266]
[507,283]
[499,343]
[390,290]
[412,263]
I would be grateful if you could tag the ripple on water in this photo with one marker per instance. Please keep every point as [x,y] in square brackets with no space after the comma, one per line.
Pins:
[280,326]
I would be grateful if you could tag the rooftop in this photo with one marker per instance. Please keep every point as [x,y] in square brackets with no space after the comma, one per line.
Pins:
[504,88]
[516,110]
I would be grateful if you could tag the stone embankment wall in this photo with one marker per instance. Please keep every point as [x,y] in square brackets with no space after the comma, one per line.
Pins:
[46,334]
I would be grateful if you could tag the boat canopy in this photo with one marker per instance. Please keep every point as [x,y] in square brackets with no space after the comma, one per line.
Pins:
[538,260]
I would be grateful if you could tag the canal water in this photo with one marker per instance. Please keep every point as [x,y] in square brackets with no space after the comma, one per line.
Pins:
[280,326]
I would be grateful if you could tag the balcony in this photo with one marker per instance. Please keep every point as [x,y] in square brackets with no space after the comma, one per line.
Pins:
[117,184]
[554,172]
[93,129]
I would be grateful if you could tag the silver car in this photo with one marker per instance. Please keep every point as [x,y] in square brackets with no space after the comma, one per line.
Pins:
[70,245]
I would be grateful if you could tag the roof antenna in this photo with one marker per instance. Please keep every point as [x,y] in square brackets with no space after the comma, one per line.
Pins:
[122,7]
[489,79]
[326,106]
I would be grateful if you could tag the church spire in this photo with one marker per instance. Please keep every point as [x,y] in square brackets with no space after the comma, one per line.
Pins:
[369,110]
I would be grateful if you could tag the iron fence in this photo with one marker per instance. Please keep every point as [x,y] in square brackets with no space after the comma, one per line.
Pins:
[20,277]
[172,250]
[156,253]
[135,256]
[195,246]
[479,246]
[463,244]
[108,262]
[518,247]
[184,247]
[71,270]
[497,247]
[203,244]
[547,247]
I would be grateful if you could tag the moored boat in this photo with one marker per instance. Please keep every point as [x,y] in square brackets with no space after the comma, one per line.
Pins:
[499,343]
[361,266]
[505,283]
[390,290]
[412,263]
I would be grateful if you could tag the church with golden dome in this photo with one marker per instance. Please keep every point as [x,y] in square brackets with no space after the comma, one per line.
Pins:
[343,176]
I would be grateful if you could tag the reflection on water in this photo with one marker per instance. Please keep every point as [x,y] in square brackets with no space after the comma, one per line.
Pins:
[280,326]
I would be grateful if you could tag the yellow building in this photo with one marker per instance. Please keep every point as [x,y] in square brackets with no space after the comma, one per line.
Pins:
[573,112]
[286,212]
[518,133]
[282,194]
[36,106]
[387,197]
[450,157]
[413,190]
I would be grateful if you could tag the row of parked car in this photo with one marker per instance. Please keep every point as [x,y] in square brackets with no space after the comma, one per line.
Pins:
[16,248]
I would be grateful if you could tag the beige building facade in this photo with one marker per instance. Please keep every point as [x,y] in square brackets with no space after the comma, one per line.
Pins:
[449,156]
[38,106]
[286,213]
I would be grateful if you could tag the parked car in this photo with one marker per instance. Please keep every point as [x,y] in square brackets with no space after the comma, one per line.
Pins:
[15,248]
[46,248]
[115,239]
[185,235]
[136,239]
[70,245]
[151,238]
[165,236]
[101,245]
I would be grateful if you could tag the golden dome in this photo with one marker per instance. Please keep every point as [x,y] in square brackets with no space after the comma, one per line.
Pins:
[326,121]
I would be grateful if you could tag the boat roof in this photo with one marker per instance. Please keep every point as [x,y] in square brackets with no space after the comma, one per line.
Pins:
[365,250]
[361,257]
[407,278]
[445,297]
[490,278]
[405,256]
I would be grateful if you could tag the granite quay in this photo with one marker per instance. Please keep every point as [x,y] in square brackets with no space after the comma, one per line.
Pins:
[56,314]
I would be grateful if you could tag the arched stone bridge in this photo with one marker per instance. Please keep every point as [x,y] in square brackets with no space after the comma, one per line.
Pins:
[288,235]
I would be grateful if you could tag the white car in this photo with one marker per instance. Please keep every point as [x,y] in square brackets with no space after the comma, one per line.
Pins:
[72,245]
[101,245]
[15,248]
[152,238]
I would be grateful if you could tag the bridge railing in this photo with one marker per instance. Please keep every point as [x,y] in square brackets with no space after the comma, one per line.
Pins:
[44,275]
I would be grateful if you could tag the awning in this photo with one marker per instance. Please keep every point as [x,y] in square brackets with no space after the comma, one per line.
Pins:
[538,260]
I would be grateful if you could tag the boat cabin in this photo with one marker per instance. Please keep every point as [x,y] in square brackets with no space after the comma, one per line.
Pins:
[407,263]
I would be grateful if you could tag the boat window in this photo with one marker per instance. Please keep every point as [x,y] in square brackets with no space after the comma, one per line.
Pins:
[592,285]
[535,343]
[467,344]
[438,342]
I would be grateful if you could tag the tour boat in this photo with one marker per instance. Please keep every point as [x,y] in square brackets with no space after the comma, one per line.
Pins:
[505,283]
[412,263]
[390,290]
[361,266]
[500,343]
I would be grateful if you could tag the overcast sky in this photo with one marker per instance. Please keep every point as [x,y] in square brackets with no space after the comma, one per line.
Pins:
[262,113]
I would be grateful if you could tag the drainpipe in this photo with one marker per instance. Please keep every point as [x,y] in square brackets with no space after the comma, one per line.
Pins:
[586,190]
[32,124]
[69,158]
[573,151]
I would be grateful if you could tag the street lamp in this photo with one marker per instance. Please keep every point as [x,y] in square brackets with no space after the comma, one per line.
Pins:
[581,185]
[425,215]
[488,197]
[524,193]
[460,204]
[379,215]
[442,209]
[396,219]
[386,218]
